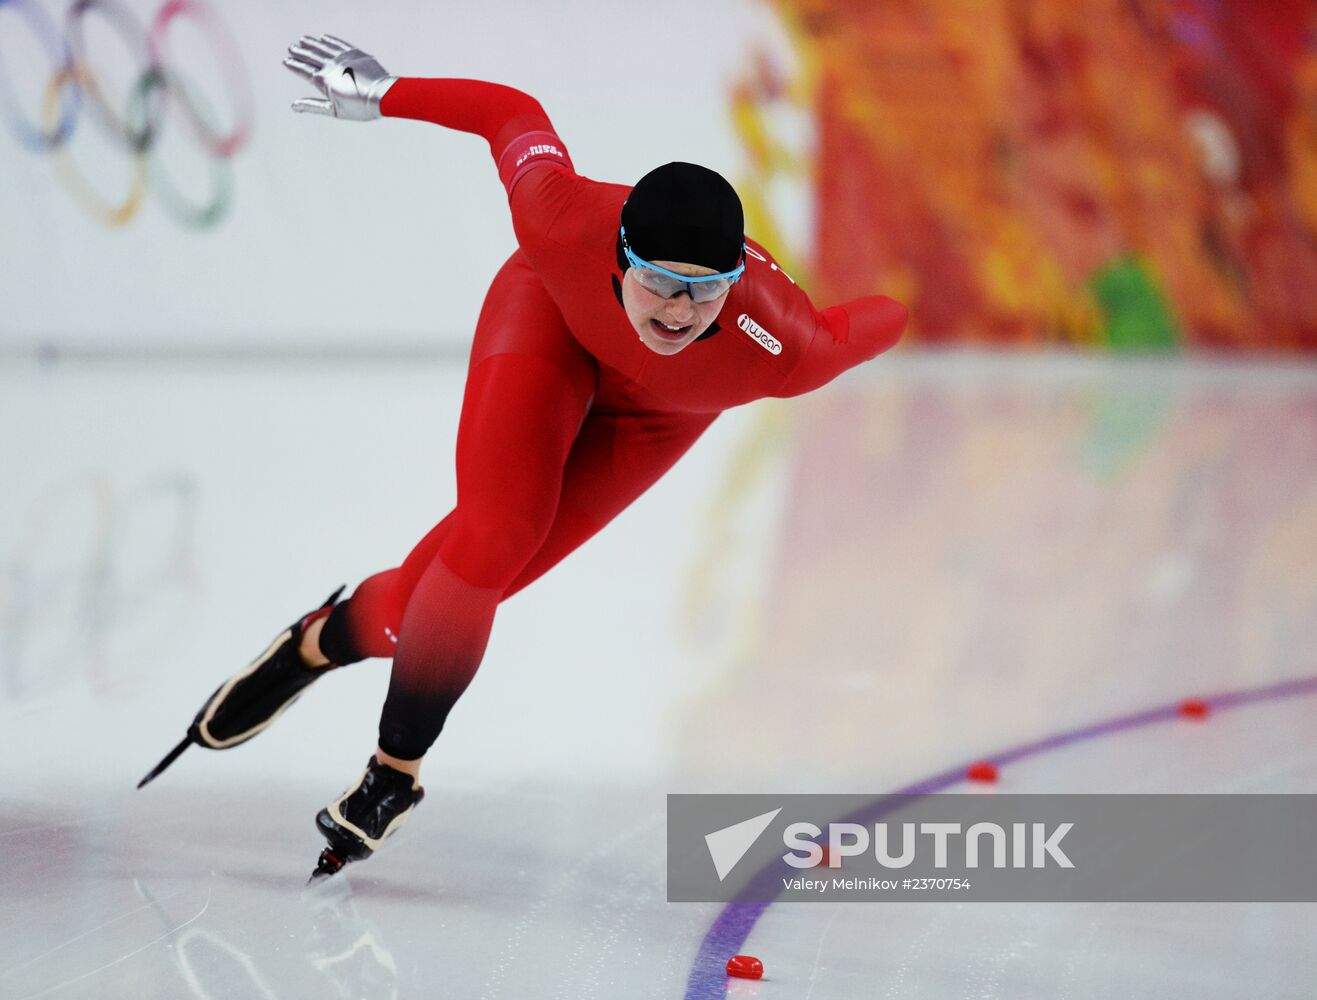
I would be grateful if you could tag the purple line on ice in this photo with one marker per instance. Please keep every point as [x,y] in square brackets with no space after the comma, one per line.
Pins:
[732,927]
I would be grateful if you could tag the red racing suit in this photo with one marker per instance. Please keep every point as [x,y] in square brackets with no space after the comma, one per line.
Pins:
[567,416]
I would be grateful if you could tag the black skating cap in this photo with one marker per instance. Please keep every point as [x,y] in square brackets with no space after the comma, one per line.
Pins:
[687,214]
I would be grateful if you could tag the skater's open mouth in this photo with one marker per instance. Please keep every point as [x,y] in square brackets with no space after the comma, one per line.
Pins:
[669,332]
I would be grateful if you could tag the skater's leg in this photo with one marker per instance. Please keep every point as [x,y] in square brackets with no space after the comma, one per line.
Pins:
[528,392]
[519,420]
[518,318]
[365,625]
[618,455]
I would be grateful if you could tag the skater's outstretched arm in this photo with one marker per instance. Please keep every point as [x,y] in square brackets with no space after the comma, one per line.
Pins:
[845,336]
[356,87]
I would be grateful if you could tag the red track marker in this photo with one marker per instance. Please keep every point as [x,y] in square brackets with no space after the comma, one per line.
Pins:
[745,967]
[982,770]
[1195,708]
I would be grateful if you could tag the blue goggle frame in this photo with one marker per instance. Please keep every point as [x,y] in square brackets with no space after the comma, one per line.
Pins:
[699,289]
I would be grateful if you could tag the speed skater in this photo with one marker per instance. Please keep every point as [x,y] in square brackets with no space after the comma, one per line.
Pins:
[626,320]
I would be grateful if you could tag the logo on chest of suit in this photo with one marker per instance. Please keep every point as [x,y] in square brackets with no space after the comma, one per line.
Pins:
[765,339]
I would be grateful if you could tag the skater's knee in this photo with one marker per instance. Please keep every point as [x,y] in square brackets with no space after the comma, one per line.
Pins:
[491,551]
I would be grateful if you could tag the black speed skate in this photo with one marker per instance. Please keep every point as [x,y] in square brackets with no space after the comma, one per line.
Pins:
[254,697]
[359,820]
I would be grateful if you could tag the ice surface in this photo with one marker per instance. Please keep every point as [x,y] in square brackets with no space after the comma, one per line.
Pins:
[918,567]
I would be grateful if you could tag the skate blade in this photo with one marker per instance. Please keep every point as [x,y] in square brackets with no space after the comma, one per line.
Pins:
[169,758]
[329,864]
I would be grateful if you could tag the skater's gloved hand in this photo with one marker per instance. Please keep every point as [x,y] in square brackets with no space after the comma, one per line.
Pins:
[351,80]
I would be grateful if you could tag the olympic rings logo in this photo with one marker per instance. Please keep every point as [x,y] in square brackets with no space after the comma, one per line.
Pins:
[134,121]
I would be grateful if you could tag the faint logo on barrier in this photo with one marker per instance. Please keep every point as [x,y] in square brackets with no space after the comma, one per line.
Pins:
[134,120]
[98,577]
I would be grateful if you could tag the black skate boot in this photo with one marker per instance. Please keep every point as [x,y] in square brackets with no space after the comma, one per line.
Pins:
[360,819]
[255,696]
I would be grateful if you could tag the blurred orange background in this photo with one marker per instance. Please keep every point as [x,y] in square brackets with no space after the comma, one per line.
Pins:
[1112,173]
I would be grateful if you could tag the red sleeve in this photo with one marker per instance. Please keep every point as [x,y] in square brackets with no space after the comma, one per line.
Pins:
[846,336]
[519,133]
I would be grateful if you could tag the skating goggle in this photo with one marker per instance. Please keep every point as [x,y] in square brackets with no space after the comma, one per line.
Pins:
[666,284]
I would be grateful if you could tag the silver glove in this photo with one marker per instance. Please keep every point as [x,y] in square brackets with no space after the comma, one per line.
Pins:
[351,80]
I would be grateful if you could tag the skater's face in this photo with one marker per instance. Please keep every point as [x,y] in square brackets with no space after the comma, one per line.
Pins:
[666,326]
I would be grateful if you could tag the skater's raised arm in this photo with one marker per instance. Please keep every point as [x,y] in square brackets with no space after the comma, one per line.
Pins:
[358,88]
[520,136]
[352,81]
[518,131]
